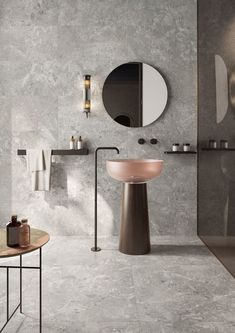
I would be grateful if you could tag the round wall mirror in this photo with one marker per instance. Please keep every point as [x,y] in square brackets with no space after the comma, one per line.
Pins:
[135,94]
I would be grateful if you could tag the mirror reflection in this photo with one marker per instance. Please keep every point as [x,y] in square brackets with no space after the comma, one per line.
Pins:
[135,94]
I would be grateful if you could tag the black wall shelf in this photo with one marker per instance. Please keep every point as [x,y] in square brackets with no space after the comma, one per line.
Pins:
[180,152]
[83,151]
[219,149]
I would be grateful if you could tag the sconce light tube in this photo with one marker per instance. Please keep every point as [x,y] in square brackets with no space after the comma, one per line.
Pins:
[87,94]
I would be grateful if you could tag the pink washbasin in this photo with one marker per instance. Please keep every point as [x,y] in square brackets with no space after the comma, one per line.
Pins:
[134,171]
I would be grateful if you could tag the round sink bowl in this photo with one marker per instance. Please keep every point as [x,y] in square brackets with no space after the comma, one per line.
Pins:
[134,171]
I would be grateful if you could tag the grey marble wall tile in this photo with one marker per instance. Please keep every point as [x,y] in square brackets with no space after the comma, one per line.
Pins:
[34,139]
[5,188]
[26,78]
[5,125]
[49,46]
[101,47]
[30,43]
[166,198]
[73,12]
[73,122]
[34,113]
[174,202]
[28,12]
[5,159]
[70,79]
[98,130]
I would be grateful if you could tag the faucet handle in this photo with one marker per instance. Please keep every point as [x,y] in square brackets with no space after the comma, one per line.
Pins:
[153,141]
[141,141]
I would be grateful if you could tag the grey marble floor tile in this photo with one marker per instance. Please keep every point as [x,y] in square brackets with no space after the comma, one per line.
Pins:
[185,308]
[28,325]
[74,250]
[186,327]
[181,280]
[88,292]
[178,288]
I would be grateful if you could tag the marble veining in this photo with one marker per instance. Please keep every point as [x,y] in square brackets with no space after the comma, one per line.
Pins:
[47,47]
[179,287]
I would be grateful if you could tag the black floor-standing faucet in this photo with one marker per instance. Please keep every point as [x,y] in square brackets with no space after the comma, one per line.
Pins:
[96,248]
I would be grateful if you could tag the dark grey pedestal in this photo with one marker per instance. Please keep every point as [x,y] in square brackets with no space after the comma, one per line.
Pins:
[134,233]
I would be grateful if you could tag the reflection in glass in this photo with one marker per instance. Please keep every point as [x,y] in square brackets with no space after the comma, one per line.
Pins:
[221,79]
[216,170]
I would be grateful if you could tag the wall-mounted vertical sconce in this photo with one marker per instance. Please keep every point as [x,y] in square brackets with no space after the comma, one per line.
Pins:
[87,95]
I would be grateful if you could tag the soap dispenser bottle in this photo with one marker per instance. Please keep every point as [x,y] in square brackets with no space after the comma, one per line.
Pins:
[72,143]
[24,233]
[13,232]
[80,143]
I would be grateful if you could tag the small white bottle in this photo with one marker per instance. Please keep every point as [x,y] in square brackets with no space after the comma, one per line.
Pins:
[186,147]
[79,143]
[72,143]
[175,147]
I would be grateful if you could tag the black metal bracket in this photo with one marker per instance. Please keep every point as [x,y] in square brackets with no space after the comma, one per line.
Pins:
[87,113]
[83,151]
[180,152]
[20,305]
[95,248]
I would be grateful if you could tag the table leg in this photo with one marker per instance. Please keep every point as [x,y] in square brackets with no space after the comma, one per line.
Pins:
[20,305]
[40,290]
[8,303]
[7,293]
[21,311]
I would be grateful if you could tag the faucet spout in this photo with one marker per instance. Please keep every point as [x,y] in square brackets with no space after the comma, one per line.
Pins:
[118,151]
[107,148]
[95,248]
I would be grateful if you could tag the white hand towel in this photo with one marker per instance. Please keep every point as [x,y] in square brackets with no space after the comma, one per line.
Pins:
[35,160]
[39,166]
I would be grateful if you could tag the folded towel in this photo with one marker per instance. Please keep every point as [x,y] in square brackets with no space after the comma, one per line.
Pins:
[39,166]
[35,161]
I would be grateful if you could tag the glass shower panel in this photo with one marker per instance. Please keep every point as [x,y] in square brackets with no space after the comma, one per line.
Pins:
[216,94]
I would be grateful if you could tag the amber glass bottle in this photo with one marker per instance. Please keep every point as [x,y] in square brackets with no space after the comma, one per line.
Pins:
[24,233]
[13,232]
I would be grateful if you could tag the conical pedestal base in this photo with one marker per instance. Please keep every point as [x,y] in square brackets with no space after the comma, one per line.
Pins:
[134,232]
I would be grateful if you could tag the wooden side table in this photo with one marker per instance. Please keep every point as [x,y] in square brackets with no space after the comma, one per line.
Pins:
[38,239]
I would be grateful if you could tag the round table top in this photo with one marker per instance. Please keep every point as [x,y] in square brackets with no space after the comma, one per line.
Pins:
[38,238]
